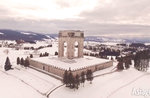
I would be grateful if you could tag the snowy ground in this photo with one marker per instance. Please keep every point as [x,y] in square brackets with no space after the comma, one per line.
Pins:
[21,82]
[115,85]
[29,83]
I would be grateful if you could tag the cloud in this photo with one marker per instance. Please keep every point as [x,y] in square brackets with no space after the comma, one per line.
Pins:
[120,12]
[53,26]
[47,9]
[124,18]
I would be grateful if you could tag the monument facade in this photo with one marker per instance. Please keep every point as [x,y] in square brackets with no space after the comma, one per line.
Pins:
[70,37]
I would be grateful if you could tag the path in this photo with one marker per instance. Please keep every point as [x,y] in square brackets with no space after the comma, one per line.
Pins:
[23,82]
[46,94]
[123,86]
[54,90]
[39,78]
[105,73]
[64,84]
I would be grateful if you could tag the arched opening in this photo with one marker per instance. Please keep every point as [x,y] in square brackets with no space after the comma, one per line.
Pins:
[76,49]
[65,49]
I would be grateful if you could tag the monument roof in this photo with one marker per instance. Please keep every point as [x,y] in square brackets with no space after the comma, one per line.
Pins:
[74,64]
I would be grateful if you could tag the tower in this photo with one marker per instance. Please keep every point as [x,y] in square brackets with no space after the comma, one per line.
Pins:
[70,37]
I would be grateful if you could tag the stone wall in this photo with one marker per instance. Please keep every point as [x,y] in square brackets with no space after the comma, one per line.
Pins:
[93,67]
[48,68]
[60,72]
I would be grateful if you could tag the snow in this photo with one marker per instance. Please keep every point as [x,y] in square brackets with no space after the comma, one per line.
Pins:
[141,83]
[48,36]
[109,43]
[11,87]
[50,50]
[76,63]
[147,43]
[104,43]
[26,33]
[115,85]
[1,33]
[23,82]
[38,44]
[28,83]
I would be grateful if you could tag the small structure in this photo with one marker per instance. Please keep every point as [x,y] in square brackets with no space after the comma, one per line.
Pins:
[70,37]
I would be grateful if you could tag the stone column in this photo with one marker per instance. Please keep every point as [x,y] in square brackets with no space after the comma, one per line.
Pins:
[70,50]
[80,48]
[60,48]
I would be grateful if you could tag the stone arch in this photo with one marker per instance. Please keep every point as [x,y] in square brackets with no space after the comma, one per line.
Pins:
[70,37]
[76,49]
[65,49]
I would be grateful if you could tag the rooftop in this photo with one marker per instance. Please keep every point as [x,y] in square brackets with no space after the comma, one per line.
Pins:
[71,33]
[74,64]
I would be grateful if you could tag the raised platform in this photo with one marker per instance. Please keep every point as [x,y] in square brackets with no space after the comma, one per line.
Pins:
[57,65]
[74,64]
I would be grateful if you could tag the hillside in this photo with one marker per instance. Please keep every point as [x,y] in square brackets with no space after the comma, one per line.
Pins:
[7,34]
[24,35]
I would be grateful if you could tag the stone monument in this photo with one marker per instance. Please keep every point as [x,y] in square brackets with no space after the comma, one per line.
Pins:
[70,37]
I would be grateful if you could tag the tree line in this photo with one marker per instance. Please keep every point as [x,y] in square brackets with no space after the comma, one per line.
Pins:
[141,60]
[72,81]
[44,54]
[23,62]
[124,62]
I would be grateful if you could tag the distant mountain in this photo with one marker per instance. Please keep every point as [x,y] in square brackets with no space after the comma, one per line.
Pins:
[103,39]
[117,40]
[6,34]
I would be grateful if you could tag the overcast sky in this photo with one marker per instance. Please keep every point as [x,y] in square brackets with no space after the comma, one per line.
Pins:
[115,18]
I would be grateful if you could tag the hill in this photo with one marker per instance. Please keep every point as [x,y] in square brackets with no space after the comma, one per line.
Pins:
[6,34]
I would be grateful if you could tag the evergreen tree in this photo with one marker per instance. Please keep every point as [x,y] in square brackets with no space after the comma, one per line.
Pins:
[89,76]
[31,56]
[46,54]
[7,64]
[65,78]
[127,64]
[130,61]
[56,53]
[26,63]
[141,60]
[120,66]
[18,60]
[82,77]
[112,58]
[77,81]
[41,55]
[116,58]
[73,82]
[70,80]
[22,61]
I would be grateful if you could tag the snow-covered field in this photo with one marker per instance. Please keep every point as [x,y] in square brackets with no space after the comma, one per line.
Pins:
[115,85]
[28,83]
[23,82]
